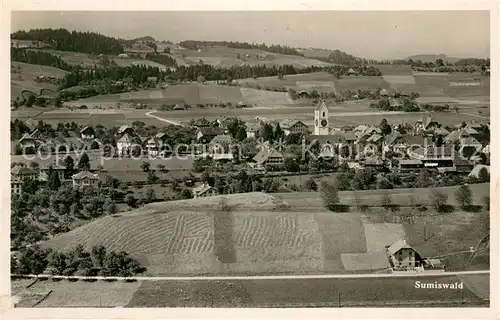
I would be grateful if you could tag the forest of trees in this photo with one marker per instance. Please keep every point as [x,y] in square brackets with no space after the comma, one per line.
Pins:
[38,57]
[195,44]
[340,57]
[162,59]
[139,73]
[62,39]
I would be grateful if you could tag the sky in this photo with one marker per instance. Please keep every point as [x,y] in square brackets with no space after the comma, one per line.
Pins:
[366,34]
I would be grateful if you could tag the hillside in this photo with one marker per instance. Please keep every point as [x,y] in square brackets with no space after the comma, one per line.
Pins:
[258,236]
[432,58]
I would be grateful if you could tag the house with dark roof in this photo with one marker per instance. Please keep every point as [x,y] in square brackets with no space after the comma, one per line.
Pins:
[124,144]
[85,179]
[290,126]
[426,123]
[202,123]
[23,173]
[269,156]
[252,129]
[87,132]
[204,191]
[27,141]
[205,135]
[126,129]
[45,168]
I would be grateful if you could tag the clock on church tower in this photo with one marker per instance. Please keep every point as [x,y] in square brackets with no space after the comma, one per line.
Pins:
[321,120]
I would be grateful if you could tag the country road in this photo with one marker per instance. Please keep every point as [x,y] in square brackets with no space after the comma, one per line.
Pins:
[283,277]
[150,114]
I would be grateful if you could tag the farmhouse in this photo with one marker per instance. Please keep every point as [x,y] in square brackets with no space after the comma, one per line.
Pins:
[291,126]
[23,173]
[44,171]
[252,129]
[351,72]
[205,135]
[153,146]
[475,171]
[27,141]
[180,106]
[84,179]
[124,145]
[426,124]
[123,56]
[434,156]
[203,191]
[16,185]
[403,257]
[87,133]
[268,156]
[202,123]
[126,129]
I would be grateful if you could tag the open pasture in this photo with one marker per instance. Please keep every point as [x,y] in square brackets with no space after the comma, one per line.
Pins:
[138,62]
[76,294]
[394,69]
[372,292]
[319,81]
[360,82]
[75,58]
[23,79]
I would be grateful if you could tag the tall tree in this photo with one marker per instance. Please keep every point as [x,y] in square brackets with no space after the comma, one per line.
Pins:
[84,162]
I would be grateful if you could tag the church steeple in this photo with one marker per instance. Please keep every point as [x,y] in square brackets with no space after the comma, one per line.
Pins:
[321,119]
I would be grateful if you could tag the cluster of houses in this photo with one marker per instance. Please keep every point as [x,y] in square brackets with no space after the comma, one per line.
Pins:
[417,147]
[20,174]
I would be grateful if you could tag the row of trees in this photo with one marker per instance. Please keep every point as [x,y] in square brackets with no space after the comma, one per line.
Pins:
[194,45]
[139,73]
[162,59]
[62,39]
[38,57]
[77,261]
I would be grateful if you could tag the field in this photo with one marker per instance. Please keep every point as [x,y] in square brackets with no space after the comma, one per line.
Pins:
[319,81]
[301,292]
[76,58]
[360,82]
[28,73]
[50,294]
[226,57]
[193,237]
[132,62]
[368,292]
[191,94]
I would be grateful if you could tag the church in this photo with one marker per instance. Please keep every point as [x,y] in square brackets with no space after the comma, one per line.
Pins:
[329,138]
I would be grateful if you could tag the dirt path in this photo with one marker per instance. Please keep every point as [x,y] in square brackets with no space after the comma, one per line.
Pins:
[150,114]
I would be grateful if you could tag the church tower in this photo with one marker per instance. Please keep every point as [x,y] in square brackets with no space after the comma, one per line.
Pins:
[321,124]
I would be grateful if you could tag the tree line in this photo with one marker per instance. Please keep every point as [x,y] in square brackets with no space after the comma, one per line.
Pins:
[38,57]
[195,44]
[162,59]
[139,73]
[62,39]
[77,261]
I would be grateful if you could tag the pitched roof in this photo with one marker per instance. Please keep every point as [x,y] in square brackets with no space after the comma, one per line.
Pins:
[469,141]
[391,138]
[410,161]
[86,128]
[374,138]
[415,139]
[361,127]
[265,153]
[336,138]
[85,174]
[288,123]
[349,136]
[210,131]
[221,138]
[477,168]
[123,128]
[320,106]
[384,92]
[202,189]
[252,126]
[125,138]
[398,245]
[433,152]
[18,170]
[26,136]
[160,135]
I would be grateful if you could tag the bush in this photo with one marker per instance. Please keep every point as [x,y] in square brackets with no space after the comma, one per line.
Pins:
[439,201]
